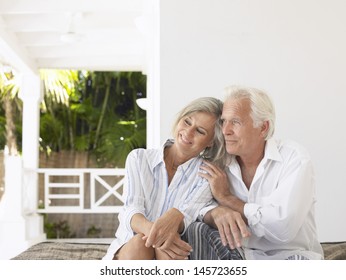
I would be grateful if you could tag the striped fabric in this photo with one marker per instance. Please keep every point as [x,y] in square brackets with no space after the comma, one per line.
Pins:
[206,244]
[296,257]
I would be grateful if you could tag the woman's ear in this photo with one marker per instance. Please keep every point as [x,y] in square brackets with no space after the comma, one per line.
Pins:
[210,144]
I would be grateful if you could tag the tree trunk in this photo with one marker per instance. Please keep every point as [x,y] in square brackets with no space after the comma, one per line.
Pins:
[103,111]
[10,127]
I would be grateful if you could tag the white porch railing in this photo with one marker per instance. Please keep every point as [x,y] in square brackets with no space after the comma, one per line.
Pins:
[81,190]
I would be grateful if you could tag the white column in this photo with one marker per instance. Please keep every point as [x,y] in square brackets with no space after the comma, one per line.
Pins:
[153,80]
[20,225]
[149,25]
[31,95]
[12,222]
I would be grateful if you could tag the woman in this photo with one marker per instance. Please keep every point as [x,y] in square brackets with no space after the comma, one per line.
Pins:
[163,190]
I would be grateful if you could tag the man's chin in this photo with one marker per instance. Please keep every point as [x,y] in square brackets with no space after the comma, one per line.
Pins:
[231,148]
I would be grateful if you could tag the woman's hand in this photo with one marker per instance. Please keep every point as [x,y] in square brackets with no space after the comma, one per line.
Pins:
[165,238]
[177,250]
[217,178]
[164,229]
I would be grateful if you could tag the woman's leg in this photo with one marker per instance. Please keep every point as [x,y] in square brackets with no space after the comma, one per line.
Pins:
[135,250]
[161,255]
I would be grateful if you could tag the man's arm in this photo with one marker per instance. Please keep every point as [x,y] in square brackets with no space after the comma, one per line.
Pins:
[229,217]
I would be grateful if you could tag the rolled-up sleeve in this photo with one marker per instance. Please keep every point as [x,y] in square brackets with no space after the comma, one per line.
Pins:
[279,215]
[252,213]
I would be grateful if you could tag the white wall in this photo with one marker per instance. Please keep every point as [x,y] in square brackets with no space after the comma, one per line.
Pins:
[293,49]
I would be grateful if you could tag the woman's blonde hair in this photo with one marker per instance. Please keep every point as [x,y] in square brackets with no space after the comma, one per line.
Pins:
[217,152]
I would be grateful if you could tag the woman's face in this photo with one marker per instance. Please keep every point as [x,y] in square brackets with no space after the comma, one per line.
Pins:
[194,133]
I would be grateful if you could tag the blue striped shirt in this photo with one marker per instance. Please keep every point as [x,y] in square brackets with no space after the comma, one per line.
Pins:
[147,192]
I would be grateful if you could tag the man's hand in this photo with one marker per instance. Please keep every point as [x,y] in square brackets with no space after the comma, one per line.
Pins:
[230,224]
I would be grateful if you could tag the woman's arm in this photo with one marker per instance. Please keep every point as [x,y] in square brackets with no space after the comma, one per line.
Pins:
[140,224]
[133,192]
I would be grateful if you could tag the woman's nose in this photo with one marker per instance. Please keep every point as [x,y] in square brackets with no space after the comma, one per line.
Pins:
[190,131]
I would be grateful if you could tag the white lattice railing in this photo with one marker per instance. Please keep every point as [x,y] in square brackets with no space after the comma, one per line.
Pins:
[80,190]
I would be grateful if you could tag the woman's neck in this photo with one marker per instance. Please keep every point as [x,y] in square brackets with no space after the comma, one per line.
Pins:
[172,157]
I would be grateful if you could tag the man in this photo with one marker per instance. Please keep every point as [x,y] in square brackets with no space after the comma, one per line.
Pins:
[265,198]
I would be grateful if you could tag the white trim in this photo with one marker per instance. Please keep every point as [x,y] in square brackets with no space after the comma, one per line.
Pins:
[95,175]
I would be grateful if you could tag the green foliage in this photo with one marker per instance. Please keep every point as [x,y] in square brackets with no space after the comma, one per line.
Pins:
[94,232]
[58,230]
[97,112]
[83,111]
[10,111]
[2,128]
[119,139]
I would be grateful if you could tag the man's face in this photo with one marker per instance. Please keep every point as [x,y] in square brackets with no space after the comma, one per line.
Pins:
[241,137]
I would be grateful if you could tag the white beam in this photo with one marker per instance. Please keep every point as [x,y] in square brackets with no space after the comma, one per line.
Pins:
[90,51]
[13,54]
[59,21]
[102,63]
[46,6]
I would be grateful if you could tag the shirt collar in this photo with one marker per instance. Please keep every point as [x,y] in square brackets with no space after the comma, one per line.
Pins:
[271,152]
[159,157]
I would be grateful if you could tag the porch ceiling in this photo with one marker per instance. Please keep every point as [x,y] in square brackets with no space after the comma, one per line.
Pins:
[72,34]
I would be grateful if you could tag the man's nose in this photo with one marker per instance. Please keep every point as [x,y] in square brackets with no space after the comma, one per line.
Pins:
[227,128]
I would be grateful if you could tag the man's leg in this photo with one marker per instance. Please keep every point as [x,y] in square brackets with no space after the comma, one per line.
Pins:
[206,244]
[297,257]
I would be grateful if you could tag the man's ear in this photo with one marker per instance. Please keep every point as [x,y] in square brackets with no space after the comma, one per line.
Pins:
[264,128]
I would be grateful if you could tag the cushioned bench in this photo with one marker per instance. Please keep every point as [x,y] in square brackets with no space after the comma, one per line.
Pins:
[94,251]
